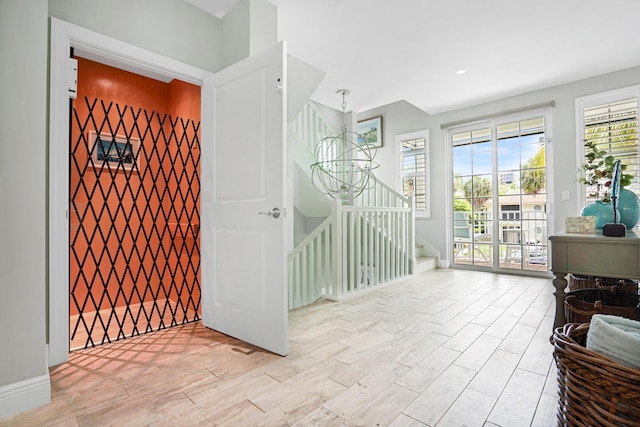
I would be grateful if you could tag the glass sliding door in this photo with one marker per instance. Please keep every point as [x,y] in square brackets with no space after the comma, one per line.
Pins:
[499,203]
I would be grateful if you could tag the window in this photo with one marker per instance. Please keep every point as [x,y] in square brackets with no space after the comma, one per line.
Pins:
[414,169]
[610,122]
[510,212]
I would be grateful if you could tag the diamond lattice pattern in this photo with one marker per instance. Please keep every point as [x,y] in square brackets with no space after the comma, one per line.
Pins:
[134,223]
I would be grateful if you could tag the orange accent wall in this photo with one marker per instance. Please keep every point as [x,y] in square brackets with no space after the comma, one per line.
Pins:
[176,99]
[184,100]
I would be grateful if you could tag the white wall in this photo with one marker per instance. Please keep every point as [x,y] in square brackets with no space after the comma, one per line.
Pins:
[247,29]
[236,30]
[331,114]
[400,118]
[172,28]
[23,165]
[263,28]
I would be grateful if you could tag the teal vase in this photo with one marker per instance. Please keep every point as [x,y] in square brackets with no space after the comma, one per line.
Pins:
[602,211]
[629,208]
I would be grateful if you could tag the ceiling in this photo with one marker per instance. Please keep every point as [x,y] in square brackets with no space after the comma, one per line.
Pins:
[412,50]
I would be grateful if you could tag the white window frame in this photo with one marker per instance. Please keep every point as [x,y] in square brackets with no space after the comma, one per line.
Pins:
[592,101]
[421,134]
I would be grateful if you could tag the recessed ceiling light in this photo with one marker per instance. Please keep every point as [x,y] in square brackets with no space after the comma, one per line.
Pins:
[461,71]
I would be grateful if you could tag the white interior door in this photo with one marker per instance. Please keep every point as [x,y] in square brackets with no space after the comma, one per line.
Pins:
[244,282]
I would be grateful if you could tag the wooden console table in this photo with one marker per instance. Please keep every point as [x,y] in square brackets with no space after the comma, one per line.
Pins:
[591,255]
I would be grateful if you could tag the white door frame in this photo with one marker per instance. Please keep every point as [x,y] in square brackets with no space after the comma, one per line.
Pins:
[110,51]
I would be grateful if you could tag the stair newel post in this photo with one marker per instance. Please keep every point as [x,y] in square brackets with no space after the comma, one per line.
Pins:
[336,242]
[411,229]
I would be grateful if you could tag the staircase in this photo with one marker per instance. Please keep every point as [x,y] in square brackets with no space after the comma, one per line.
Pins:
[358,246]
[426,256]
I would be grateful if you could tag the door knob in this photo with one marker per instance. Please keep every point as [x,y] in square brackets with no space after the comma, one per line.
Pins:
[275,212]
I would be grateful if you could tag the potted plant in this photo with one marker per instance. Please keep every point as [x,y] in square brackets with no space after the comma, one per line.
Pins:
[596,174]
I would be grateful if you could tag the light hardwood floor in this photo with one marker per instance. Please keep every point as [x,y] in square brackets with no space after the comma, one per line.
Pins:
[443,348]
[125,314]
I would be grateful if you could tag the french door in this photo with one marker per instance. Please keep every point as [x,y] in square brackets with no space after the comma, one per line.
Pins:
[499,204]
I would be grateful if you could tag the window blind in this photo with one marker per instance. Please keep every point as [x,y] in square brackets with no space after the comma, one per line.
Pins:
[613,128]
[414,170]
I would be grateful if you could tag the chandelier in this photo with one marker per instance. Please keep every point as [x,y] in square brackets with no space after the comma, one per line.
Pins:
[344,165]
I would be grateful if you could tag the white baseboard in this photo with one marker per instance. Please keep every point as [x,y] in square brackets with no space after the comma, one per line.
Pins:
[24,395]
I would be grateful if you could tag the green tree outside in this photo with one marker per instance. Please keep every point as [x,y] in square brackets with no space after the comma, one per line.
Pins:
[533,174]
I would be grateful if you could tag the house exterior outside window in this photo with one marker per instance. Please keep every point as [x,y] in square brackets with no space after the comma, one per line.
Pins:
[510,212]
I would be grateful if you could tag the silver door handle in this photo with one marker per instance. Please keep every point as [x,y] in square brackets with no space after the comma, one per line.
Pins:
[275,212]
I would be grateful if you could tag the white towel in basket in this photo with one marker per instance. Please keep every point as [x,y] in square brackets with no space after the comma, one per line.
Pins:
[615,337]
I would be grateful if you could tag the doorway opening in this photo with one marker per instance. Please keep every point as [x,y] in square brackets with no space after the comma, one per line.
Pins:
[266,328]
[134,205]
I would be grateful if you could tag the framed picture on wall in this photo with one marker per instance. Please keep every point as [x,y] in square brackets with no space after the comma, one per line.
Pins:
[116,152]
[370,132]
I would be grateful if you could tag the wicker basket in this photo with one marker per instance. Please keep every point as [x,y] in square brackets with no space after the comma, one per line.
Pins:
[592,389]
[580,305]
[577,282]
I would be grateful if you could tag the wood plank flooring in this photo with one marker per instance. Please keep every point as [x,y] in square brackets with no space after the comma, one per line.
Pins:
[120,322]
[443,348]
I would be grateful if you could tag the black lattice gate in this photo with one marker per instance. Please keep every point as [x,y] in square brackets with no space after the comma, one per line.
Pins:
[134,239]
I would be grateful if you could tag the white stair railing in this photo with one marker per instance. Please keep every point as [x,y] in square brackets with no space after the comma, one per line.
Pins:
[310,127]
[380,194]
[377,246]
[354,249]
[311,266]
[357,247]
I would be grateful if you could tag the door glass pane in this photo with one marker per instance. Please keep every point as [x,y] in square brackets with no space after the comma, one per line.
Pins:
[482,158]
[508,155]
[462,160]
